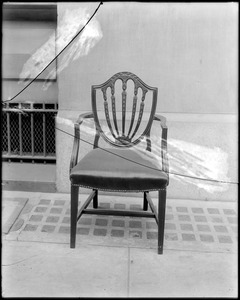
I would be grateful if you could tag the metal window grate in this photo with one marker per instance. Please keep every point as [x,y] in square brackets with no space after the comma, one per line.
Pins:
[28,132]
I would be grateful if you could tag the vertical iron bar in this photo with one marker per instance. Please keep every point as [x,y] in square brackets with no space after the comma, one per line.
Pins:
[44,134]
[20,133]
[32,133]
[8,133]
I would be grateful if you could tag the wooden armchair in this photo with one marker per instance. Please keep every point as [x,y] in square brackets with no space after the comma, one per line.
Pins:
[121,168]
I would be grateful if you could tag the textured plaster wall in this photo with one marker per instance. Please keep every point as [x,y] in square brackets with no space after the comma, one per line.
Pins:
[187,50]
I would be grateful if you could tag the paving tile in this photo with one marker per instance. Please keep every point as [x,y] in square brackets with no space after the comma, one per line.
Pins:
[229,211]
[85,221]
[186,227]
[234,229]
[101,222]
[135,234]
[56,210]
[169,217]
[118,223]
[171,236]
[104,205]
[220,228]
[151,225]
[30,227]
[188,237]
[206,238]
[184,218]
[202,227]
[117,233]
[59,202]
[83,231]
[66,220]
[200,218]
[197,210]
[152,235]
[213,210]
[64,229]
[216,219]
[36,218]
[169,226]
[182,209]
[232,220]
[100,232]
[135,224]
[44,202]
[40,209]
[52,219]
[224,239]
[48,228]
[119,206]
[135,207]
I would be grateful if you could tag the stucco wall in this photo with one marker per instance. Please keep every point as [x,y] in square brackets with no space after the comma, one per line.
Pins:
[187,50]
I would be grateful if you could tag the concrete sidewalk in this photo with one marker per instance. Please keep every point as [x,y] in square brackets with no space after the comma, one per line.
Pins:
[116,256]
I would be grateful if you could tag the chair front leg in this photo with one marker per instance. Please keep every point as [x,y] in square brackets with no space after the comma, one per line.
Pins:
[161,218]
[74,213]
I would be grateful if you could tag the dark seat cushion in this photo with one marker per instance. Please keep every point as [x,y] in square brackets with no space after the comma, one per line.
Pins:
[120,170]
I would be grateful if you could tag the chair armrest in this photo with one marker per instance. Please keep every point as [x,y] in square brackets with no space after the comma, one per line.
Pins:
[164,155]
[84,116]
[74,156]
[162,120]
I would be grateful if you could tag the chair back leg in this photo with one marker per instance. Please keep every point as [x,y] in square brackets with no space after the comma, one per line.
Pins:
[161,218]
[95,199]
[145,202]
[74,213]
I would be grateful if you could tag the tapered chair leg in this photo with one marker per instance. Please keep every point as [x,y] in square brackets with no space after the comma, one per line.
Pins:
[95,200]
[145,202]
[74,212]
[161,218]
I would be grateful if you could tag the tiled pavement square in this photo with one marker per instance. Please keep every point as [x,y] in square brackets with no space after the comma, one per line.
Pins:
[36,218]
[206,238]
[202,227]
[117,233]
[207,225]
[100,232]
[101,222]
[118,223]
[197,210]
[48,228]
[188,237]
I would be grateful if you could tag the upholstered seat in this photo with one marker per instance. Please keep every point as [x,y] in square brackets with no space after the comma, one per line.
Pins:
[119,170]
[123,111]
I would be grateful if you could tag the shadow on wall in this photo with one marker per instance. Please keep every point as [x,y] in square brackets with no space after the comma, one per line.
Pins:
[68,26]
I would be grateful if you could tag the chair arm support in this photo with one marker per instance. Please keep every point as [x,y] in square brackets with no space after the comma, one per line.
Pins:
[76,141]
[165,163]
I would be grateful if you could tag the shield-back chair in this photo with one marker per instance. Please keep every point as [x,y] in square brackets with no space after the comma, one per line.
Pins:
[121,168]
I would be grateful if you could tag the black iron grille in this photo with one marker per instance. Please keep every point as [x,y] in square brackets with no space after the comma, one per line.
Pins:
[28,132]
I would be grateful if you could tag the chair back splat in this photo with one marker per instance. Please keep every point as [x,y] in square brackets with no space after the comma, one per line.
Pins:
[124,135]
